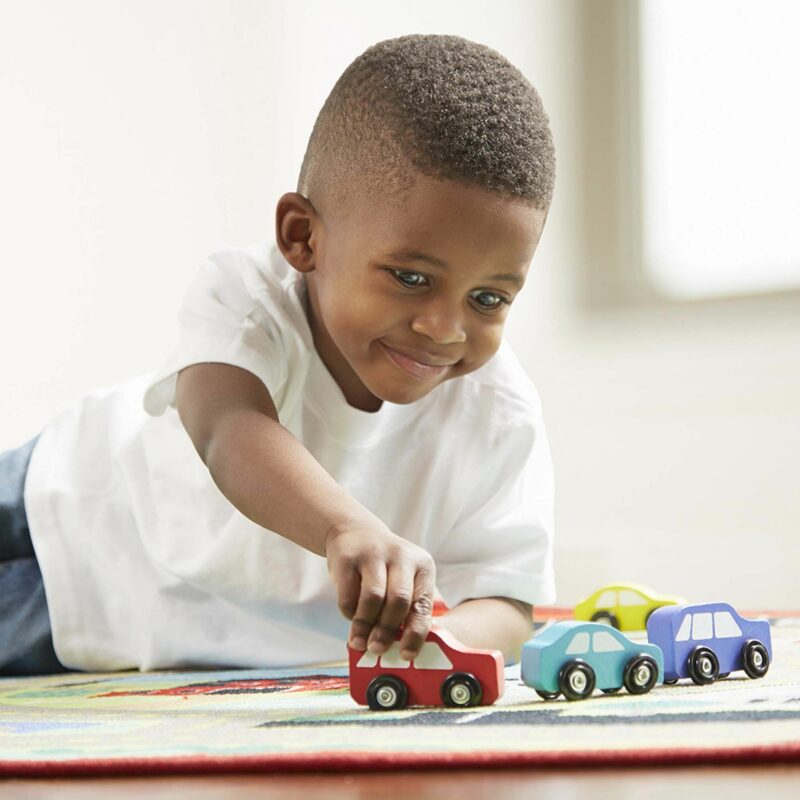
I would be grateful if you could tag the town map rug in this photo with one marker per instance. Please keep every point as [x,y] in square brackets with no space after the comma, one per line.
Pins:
[284,720]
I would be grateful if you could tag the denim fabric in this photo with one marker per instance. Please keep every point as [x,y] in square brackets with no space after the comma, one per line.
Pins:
[26,642]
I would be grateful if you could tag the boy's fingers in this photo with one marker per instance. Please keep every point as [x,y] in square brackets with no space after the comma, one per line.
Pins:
[370,602]
[399,594]
[420,615]
[348,588]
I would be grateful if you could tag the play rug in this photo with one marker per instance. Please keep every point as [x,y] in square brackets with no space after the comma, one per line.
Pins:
[270,720]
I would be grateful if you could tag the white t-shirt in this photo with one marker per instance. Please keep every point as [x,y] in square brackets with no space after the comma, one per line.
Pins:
[147,565]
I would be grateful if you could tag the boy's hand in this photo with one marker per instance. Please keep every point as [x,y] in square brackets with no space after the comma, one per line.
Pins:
[382,582]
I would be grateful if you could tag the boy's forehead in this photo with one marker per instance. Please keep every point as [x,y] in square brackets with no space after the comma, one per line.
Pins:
[455,222]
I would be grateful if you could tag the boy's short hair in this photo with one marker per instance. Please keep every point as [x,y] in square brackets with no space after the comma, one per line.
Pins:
[442,106]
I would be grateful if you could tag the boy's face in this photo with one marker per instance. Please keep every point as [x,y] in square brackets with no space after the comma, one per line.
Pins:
[403,297]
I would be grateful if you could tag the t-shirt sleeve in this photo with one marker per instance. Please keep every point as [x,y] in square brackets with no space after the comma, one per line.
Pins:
[501,545]
[223,319]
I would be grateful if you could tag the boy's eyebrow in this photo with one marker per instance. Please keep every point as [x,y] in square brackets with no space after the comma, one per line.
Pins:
[414,255]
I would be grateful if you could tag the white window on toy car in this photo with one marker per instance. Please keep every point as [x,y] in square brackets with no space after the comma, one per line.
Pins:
[391,658]
[683,631]
[578,645]
[627,597]
[604,642]
[431,656]
[606,600]
[725,626]
[701,626]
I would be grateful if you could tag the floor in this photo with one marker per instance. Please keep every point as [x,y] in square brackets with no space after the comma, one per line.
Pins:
[776,782]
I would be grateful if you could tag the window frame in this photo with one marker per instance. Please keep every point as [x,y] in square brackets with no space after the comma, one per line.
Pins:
[612,275]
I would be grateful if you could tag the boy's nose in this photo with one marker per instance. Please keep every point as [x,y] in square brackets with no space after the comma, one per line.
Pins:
[440,325]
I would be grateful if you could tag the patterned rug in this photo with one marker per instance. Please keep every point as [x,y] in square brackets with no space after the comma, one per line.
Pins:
[264,721]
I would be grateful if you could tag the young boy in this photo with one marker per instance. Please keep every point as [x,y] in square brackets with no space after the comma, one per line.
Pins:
[340,430]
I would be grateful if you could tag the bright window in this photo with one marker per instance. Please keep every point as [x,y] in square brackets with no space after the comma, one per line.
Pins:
[392,658]
[720,123]
[725,626]
[628,597]
[578,645]
[431,656]
[368,660]
[604,642]
[701,626]
[606,600]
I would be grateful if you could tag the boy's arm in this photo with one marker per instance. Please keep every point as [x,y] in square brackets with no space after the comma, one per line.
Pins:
[491,623]
[382,580]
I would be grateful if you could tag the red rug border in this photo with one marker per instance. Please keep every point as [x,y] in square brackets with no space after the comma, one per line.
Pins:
[359,761]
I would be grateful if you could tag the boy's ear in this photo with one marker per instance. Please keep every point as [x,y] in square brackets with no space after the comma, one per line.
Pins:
[295,219]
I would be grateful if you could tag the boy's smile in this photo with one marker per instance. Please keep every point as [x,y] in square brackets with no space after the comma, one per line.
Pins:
[403,296]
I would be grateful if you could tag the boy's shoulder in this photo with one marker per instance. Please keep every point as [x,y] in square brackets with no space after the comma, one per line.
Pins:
[260,267]
[254,281]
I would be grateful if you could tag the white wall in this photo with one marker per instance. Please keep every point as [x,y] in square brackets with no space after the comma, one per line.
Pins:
[139,136]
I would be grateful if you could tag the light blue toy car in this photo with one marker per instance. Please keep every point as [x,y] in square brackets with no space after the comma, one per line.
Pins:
[573,658]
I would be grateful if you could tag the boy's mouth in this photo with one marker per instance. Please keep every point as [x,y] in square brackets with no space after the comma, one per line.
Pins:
[411,365]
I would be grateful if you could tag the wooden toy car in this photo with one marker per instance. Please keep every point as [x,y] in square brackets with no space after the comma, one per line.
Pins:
[625,606]
[573,658]
[708,641]
[444,673]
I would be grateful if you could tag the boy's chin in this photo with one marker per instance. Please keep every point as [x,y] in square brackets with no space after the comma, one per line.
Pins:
[403,395]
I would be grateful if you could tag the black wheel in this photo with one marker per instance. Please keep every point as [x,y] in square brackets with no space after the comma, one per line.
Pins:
[576,680]
[641,674]
[460,690]
[386,692]
[703,666]
[670,681]
[755,659]
[606,618]
[612,690]
[548,695]
[722,675]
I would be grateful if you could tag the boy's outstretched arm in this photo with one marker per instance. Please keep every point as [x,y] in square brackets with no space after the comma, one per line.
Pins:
[382,580]
[491,623]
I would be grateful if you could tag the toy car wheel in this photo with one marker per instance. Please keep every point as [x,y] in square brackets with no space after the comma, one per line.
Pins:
[640,675]
[670,681]
[461,690]
[606,618]
[755,659]
[612,690]
[703,666]
[722,675]
[576,680]
[548,695]
[386,692]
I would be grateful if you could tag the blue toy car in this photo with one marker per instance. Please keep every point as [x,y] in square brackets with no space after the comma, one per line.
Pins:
[574,658]
[709,641]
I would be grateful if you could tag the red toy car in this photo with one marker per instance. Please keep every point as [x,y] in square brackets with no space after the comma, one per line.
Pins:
[444,673]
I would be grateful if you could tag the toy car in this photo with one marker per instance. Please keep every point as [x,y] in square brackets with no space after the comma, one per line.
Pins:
[444,673]
[625,606]
[574,658]
[709,641]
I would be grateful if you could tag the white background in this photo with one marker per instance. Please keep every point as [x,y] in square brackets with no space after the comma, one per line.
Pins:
[139,136]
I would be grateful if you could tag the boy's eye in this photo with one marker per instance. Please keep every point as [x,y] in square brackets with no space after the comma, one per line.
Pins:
[488,300]
[409,278]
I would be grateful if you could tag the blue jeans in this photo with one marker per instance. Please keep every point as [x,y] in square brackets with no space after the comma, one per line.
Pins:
[26,641]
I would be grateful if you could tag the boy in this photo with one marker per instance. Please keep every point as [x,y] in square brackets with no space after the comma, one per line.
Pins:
[345,395]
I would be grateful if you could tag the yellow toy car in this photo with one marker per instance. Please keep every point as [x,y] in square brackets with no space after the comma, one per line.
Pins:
[625,606]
